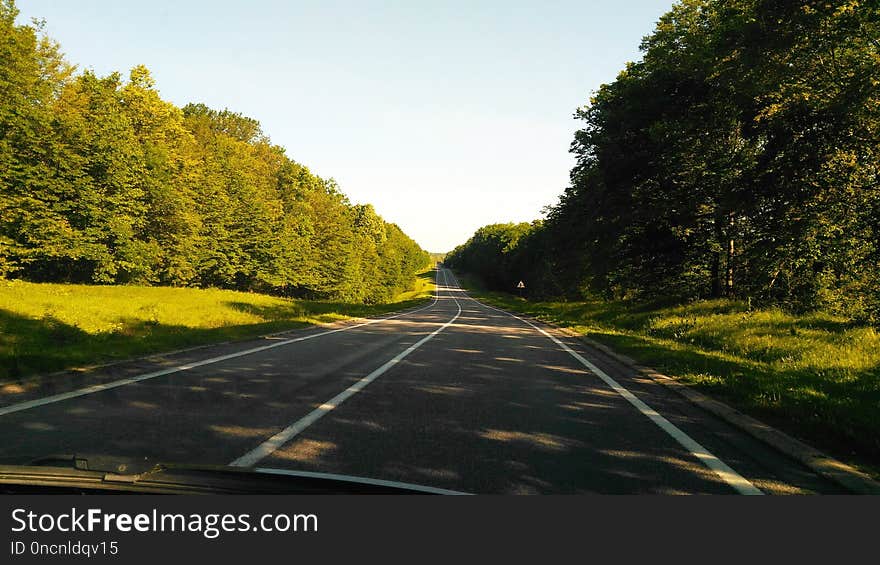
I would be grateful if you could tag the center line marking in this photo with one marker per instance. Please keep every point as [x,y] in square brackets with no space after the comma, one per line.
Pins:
[275,442]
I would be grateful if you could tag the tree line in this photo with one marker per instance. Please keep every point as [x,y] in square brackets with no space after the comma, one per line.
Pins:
[103,181]
[738,158]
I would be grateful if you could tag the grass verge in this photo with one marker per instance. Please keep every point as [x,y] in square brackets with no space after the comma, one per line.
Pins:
[49,327]
[815,376]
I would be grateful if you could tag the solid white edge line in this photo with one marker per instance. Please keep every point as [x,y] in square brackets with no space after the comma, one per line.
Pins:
[29,404]
[275,442]
[724,471]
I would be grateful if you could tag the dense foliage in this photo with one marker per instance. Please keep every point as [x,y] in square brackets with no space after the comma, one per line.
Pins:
[102,181]
[739,157]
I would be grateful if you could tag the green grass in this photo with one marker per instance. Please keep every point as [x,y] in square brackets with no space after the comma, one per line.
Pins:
[816,376]
[50,327]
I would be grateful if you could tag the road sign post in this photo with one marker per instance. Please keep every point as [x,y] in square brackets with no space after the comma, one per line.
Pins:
[520,287]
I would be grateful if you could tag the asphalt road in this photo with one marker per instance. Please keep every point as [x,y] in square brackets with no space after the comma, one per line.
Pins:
[456,395]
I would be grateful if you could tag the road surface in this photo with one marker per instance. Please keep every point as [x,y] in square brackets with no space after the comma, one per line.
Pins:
[455,394]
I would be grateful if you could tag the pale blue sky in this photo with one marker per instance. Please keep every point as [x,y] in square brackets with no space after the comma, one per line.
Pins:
[445,115]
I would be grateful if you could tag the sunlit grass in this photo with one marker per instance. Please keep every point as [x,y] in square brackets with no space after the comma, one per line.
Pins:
[423,287]
[49,327]
[817,376]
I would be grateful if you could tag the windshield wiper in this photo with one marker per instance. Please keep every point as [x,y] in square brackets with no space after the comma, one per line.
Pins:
[95,474]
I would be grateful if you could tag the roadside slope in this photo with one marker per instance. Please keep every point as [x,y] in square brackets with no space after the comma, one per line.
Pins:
[52,327]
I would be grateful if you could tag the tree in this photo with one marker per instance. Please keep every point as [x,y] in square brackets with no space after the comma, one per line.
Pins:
[105,182]
[737,158]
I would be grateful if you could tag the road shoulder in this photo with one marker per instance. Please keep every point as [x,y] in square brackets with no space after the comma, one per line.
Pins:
[36,386]
[820,463]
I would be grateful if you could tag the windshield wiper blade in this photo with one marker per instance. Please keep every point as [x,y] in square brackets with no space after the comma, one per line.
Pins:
[96,462]
[101,474]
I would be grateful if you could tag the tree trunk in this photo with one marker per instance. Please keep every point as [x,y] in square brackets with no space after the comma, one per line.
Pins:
[731,220]
[715,273]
